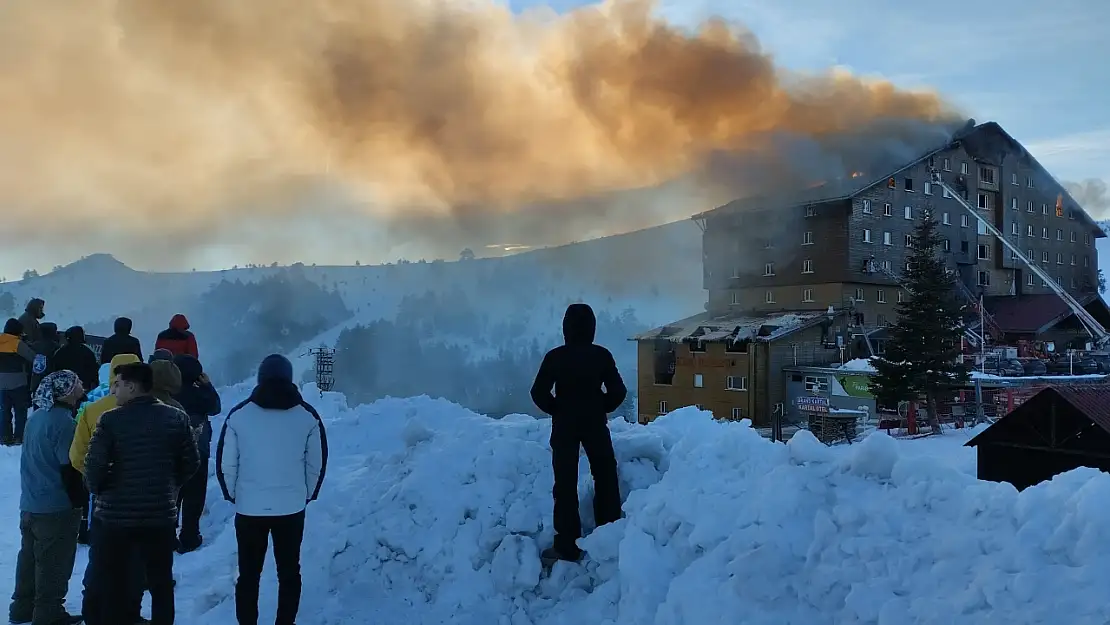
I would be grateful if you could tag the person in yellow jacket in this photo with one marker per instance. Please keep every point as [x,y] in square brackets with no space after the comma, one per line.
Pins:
[89,416]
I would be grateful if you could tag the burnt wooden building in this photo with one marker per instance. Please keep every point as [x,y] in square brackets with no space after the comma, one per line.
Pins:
[1061,428]
[731,365]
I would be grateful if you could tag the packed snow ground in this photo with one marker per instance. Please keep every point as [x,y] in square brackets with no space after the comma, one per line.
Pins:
[433,514]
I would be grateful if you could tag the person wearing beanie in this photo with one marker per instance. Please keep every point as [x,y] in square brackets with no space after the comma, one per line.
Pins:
[16,358]
[200,401]
[121,342]
[271,458]
[160,354]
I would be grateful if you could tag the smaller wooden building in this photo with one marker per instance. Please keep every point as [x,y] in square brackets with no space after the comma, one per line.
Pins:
[1061,428]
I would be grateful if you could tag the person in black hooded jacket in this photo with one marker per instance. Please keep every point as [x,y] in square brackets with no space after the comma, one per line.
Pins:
[200,400]
[77,357]
[579,408]
[45,348]
[121,342]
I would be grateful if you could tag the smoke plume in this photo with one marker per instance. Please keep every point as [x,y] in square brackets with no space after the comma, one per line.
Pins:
[1093,195]
[159,125]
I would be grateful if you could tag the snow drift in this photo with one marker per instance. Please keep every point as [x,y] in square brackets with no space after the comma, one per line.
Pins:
[433,514]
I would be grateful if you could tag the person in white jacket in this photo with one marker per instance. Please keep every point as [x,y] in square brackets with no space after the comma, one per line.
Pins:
[270,461]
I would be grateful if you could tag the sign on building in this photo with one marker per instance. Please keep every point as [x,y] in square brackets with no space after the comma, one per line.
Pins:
[812,404]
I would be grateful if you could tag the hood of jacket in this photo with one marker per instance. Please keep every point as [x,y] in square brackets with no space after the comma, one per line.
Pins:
[179,323]
[190,368]
[117,360]
[167,379]
[49,331]
[9,344]
[36,308]
[276,395]
[579,324]
[122,326]
[13,327]
[75,336]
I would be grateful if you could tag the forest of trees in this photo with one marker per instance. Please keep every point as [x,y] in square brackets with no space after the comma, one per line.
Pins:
[443,346]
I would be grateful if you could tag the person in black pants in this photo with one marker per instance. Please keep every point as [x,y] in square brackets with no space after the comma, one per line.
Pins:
[579,408]
[140,455]
[270,461]
[200,401]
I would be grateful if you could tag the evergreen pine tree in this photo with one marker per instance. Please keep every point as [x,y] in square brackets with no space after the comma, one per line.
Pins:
[921,359]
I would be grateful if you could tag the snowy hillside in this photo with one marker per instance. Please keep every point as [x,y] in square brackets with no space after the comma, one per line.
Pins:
[433,514]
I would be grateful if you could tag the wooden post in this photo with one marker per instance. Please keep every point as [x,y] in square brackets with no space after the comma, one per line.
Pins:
[911,418]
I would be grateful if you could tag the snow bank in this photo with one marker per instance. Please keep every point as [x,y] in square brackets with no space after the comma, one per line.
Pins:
[433,514]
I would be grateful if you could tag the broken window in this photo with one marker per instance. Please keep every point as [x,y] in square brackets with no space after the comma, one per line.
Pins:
[737,346]
[892,184]
[909,184]
[984,278]
[664,363]
[984,252]
[986,174]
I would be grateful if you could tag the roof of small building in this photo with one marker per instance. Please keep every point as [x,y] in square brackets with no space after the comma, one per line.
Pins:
[1032,314]
[1091,400]
[736,327]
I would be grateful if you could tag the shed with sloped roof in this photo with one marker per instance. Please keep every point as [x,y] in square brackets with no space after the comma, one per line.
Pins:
[1061,428]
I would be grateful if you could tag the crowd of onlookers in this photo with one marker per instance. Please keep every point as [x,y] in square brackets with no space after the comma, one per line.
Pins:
[115,454]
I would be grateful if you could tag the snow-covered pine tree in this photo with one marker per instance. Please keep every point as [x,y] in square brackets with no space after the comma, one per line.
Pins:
[921,359]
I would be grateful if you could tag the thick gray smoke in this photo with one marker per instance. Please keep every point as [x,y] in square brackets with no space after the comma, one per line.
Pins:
[1093,195]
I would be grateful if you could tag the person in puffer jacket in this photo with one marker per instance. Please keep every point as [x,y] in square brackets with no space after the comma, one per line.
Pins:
[177,338]
[199,399]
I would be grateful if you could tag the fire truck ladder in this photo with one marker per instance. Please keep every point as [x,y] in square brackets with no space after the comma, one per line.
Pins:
[1090,324]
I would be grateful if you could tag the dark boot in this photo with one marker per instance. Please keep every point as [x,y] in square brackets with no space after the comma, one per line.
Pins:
[551,554]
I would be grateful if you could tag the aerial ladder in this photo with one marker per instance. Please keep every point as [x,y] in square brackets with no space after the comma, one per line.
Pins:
[1098,334]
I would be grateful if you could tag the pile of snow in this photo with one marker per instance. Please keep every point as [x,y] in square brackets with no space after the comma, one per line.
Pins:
[433,514]
[858,364]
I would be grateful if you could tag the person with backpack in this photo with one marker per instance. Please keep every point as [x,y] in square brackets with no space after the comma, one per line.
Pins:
[45,348]
[16,358]
[270,462]
[140,455]
[199,399]
[177,338]
[121,342]
[587,387]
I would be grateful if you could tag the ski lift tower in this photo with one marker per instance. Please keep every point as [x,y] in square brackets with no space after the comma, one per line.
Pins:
[325,367]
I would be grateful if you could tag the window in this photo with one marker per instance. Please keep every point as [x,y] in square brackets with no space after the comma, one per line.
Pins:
[1044,209]
[1073,282]
[1029,182]
[963,221]
[816,384]
[662,407]
[807,238]
[699,381]
[908,211]
[811,211]
[1059,234]
[928,188]
[867,235]
[892,184]
[1071,215]
[909,185]
[886,238]
[1087,239]
[1015,229]
[867,207]
[1044,233]
[1029,279]
[880,296]
[696,346]
[1029,231]
[1013,203]
[947,245]
[886,265]
[947,165]
[944,219]
[807,266]
[901,296]
[1029,206]
[963,167]
[1086,261]
[736,383]
[736,347]
[945,193]
[769,269]
[735,272]
[1013,179]
[737,413]
[1044,257]
[1043,283]
[965,247]
[859,295]
[984,278]
[1059,258]
[986,174]
[807,295]
[735,298]
[909,240]
[1013,255]
[887,211]
[984,252]
[1073,260]
[1073,236]
[769,297]
[980,226]
[1030,254]
[984,202]
[880,319]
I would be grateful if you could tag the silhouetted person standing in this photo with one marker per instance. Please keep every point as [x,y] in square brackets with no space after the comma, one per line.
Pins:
[78,357]
[270,461]
[121,342]
[32,315]
[140,455]
[16,357]
[199,400]
[579,411]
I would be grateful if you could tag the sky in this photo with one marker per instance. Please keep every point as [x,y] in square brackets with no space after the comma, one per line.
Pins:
[1037,68]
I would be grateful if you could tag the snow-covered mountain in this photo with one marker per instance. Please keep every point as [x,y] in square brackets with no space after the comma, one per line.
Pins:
[432,514]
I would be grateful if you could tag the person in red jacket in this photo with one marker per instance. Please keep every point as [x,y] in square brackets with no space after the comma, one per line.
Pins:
[177,338]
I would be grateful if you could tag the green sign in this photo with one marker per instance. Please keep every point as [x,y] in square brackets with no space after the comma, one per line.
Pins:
[855,385]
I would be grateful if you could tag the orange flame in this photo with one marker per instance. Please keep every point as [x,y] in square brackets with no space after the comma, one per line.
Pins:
[857,174]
